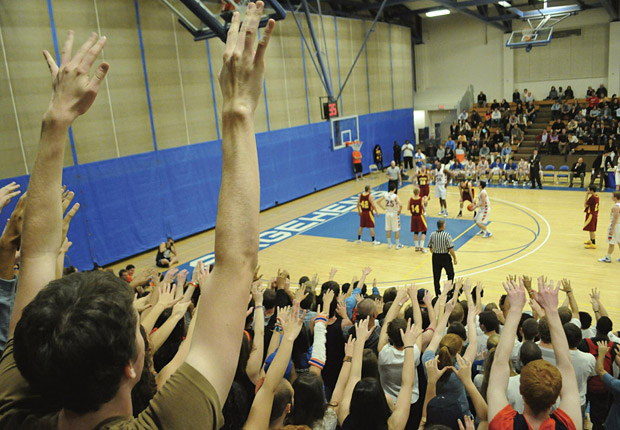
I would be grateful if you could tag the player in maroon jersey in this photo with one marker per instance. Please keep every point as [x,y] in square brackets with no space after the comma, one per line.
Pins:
[468,194]
[591,210]
[418,220]
[423,183]
[366,207]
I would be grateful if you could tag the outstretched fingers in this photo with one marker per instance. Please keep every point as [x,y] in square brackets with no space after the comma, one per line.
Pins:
[264,42]
[88,58]
[252,18]
[51,63]
[98,77]
[65,54]
[81,53]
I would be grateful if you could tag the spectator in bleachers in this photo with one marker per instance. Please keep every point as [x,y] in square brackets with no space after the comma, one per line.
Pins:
[485,151]
[487,118]
[530,111]
[593,101]
[558,125]
[496,117]
[463,115]
[475,119]
[595,112]
[590,92]
[496,150]
[560,94]
[459,153]
[516,96]
[494,105]
[516,136]
[529,98]
[601,92]
[553,142]
[573,141]
[553,94]
[568,94]
[572,125]
[482,99]
[565,110]
[506,152]
[543,138]
[441,152]
[556,108]
[454,128]
[450,143]
[504,106]
[563,142]
[449,154]
[519,109]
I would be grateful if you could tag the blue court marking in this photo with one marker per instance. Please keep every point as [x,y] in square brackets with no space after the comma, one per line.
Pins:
[345,227]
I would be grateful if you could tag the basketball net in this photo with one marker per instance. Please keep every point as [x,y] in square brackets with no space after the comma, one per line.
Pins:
[356,144]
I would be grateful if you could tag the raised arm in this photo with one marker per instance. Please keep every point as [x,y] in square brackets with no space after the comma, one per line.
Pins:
[343,376]
[400,414]
[260,412]
[472,333]
[73,92]
[547,297]
[432,374]
[500,370]
[255,361]
[10,240]
[399,301]
[464,374]
[568,289]
[362,333]
[221,318]
[441,327]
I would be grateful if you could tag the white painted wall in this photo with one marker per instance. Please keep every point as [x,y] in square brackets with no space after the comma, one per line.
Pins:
[459,51]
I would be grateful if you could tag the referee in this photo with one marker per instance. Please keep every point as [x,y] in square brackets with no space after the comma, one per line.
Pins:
[440,244]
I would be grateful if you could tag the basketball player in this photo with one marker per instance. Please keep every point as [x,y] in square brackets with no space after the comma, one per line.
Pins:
[617,176]
[365,207]
[440,187]
[497,167]
[470,169]
[483,168]
[417,203]
[393,207]
[484,206]
[423,181]
[523,170]
[510,172]
[591,211]
[467,191]
[613,234]
[420,160]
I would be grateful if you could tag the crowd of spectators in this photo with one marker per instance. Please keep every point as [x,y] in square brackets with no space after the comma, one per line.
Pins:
[225,349]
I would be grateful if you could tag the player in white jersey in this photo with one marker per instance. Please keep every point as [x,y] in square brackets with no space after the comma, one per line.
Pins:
[483,168]
[393,208]
[523,170]
[613,234]
[618,175]
[441,180]
[470,169]
[484,210]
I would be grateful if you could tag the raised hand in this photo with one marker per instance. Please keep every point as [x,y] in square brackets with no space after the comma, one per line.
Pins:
[241,77]
[401,295]
[361,330]
[412,292]
[142,303]
[566,286]
[328,298]
[432,370]
[180,308]
[469,423]
[200,274]
[73,89]
[411,335]
[13,230]
[256,276]
[595,295]
[516,294]
[7,193]
[291,320]
[166,296]
[464,369]
[341,309]
[257,292]
[300,294]
[67,198]
[547,295]
[169,276]
[366,270]
[349,346]
[603,348]
[332,273]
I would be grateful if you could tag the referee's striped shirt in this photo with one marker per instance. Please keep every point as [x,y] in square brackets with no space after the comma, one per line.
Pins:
[440,242]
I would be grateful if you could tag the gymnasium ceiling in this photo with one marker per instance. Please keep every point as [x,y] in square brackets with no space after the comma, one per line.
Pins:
[411,12]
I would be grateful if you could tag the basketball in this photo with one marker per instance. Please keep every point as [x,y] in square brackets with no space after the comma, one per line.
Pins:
[470,207]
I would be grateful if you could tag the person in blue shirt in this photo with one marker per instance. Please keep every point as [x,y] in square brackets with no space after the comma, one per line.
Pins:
[450,143]
[510,172]
[506,153]
[497,168]
[359,289]
[456,168]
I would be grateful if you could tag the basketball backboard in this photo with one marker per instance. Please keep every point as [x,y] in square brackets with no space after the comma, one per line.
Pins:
[530,37]
[344,130]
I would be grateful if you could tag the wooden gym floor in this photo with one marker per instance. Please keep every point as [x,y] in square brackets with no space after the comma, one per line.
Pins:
[535,232]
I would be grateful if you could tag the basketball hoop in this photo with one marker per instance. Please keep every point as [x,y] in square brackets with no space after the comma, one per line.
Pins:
[356,144]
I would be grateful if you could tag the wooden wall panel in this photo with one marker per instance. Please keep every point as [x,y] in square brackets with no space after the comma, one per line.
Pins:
[93,132]
[163,74]
[276,86]
[401,60]
[125,79]
[359,76]
[294,67]
[26,30]
[196,87]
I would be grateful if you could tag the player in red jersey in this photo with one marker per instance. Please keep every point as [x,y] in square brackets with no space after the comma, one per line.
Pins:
[423,183]
[468,194]
[591,210]
[366,207]
[417,204]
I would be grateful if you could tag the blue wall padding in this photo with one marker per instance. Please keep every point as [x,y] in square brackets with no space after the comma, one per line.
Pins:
[131,204]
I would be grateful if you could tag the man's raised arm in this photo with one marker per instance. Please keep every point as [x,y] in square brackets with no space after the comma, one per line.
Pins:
[221,316]
[73,92]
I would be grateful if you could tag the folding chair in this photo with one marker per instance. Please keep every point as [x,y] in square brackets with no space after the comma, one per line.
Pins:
[563,174]
[549,173]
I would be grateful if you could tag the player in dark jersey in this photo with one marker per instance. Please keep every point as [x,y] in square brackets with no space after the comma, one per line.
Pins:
[365,208]
[418,220]
[468,193]
[591,210]
[423,183]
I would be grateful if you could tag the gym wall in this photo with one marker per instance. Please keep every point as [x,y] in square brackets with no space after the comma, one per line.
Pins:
[145,162]
[459,51]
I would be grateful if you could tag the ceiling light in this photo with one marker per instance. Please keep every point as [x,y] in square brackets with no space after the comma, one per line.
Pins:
[438,12]
[504,3]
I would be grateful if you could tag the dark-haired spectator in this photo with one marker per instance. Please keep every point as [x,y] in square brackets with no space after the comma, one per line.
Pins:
[553,94]
[482,99]
[516,96]
[601,92]
[124,275]
[612,384]
[556,108]
[568,93]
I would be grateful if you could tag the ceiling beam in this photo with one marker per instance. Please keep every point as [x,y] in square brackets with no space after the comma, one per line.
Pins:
[611,6]
[453,5]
